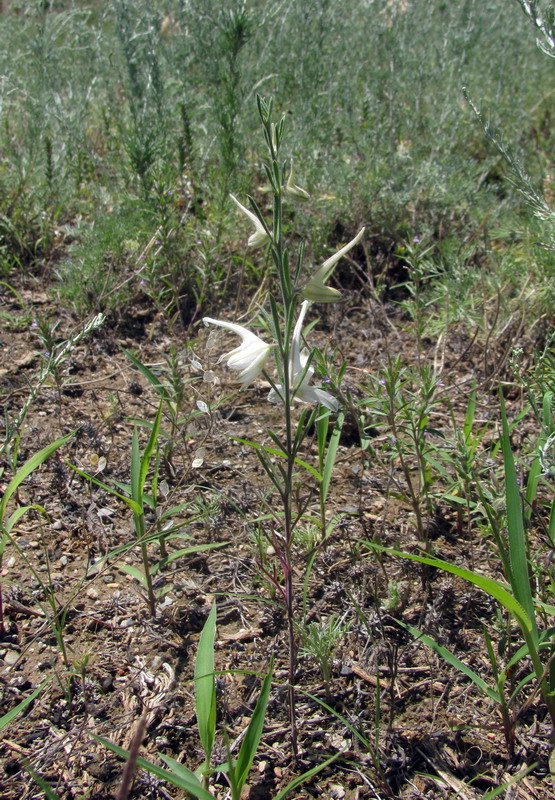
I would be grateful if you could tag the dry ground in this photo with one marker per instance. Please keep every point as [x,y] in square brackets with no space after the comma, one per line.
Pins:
[433,729]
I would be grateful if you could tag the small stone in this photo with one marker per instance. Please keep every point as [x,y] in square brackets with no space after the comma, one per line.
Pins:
[93,593]
[10,562]
[11,657]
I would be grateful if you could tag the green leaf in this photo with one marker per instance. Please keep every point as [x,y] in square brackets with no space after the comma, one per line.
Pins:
[306,776]
[49,792]
[281,454]
[186,551]
[190,782]
[331,454]
[133,571]
[136,469]
[19,512]
[135,507]
[519,577]
[149,449]
[205,689]
[253,734]
[149,375]
[180,770]
[491,587]
[7,718]
[522,774]
[447,656]
[365,742]
[28,467]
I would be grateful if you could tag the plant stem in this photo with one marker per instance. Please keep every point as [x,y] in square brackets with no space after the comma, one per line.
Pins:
[141,533]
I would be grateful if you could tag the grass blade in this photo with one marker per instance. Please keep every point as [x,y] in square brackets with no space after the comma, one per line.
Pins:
[7,718]
[450,658]
[254,732]
[205,689]
[28,467]
[519,577]
[190,783]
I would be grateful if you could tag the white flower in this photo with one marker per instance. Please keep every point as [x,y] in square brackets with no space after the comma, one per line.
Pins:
[292,188]
[316,289]
[299,376]
[251,355]
[261,235]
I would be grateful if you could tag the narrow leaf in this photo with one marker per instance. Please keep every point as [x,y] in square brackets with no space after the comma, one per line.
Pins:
[254,732]
[491,587]
[28,467]
[205,689]
[280,454]
[519,577]
[331,454]
[453,660]
[149,375]
[190,784]
[7,718]
[306,776]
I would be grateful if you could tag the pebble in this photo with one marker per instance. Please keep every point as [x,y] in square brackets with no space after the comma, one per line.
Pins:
[11,657]
[10,562]
[93,593]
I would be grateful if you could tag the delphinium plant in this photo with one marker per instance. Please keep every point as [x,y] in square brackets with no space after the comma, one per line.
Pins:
[294,365]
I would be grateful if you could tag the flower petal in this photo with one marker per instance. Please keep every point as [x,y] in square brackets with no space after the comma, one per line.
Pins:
[251,355]
[316,289]
[292,188]
[261,235]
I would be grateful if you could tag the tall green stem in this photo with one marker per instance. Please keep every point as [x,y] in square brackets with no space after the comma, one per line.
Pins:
[141,534]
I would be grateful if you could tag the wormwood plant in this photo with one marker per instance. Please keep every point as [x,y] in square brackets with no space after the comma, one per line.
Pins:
[294,365]
[401,401]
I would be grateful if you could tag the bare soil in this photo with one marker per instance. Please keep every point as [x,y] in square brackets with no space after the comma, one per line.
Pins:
[430,730]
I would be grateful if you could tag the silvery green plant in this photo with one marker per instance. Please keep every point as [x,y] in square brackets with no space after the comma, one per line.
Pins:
[294,364]
[319,641]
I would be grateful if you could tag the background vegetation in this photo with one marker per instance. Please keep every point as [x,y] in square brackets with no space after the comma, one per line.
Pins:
[127,123]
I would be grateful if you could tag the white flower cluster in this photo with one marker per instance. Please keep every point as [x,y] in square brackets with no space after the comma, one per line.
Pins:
[250,357]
